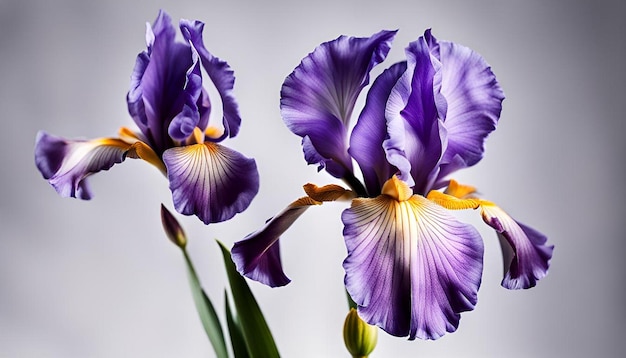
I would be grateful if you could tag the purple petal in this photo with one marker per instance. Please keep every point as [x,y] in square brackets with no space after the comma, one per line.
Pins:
[473,101]
[318,97]
[416,137]
[184,123]
[366,140]
[220,73]
[526,255]
[157,92]
[412,268]
[67,163]
[257,256]
[134,98]
[210,181]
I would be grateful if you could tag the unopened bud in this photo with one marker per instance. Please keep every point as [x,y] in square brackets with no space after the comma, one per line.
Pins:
[360,338]
[172,228]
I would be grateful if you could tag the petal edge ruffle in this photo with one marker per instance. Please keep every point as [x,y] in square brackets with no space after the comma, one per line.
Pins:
[412,268]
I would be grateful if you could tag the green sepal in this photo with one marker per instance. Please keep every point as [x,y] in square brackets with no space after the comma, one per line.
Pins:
[208,316]
[255,331]
[234,329]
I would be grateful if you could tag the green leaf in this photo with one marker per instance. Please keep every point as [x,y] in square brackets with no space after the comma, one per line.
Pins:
[234,328]
[257,334]
[207,313]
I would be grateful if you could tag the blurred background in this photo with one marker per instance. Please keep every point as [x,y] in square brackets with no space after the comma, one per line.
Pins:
[100,279]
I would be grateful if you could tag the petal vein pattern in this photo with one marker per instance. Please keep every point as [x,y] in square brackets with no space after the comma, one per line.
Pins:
[411,267]
[210,180]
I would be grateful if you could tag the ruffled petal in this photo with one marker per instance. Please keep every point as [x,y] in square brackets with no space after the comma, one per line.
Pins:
[184,123]
[473,101]
[161,84]
[220,73]
[370,131]
[526,255]
[318,97]
[257,256]
[134,98]
[210,181]
[416,136]
[412,268]
[67,163]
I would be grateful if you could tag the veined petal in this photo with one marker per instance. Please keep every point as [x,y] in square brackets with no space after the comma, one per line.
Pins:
[473,101]
[412,268]
[530,257]
[161,84]
[210,181]
[257,256]
[416,137]
[318,97]
[67,163]
[220,73]
[370,132]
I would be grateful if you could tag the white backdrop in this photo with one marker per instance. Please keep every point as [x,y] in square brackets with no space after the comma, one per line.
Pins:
[99,278]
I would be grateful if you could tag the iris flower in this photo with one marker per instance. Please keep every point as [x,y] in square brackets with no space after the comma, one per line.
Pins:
[412,267]
[169,103]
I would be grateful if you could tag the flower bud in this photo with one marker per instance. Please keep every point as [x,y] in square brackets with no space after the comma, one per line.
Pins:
[360,338]
[172,228]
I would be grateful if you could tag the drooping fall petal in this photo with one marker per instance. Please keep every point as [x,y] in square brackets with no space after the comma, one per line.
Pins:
[257,256]
[210,181]
[412,268]
[66,164]
[527,259]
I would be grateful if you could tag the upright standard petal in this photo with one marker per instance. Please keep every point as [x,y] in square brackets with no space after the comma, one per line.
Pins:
[415,135]
[470,102]
[220,73]
[210,181]
[161,83]
[370,132]
[318,97]
[257,256]
[67,163]
[527,259]
[184,123]
[412,268]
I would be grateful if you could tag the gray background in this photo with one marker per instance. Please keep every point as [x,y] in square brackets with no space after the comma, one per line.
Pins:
[99,278]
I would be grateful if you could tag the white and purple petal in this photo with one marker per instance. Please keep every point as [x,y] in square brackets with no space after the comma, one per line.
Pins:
[525,252]
[370,132]
[257,256]
[210,181]
[412,268]
[318,97]
[66,164]
[416,137]
[472,105]
[220,74]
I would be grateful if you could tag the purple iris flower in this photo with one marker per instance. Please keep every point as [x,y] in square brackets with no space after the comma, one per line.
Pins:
[411,266]
[170,105]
